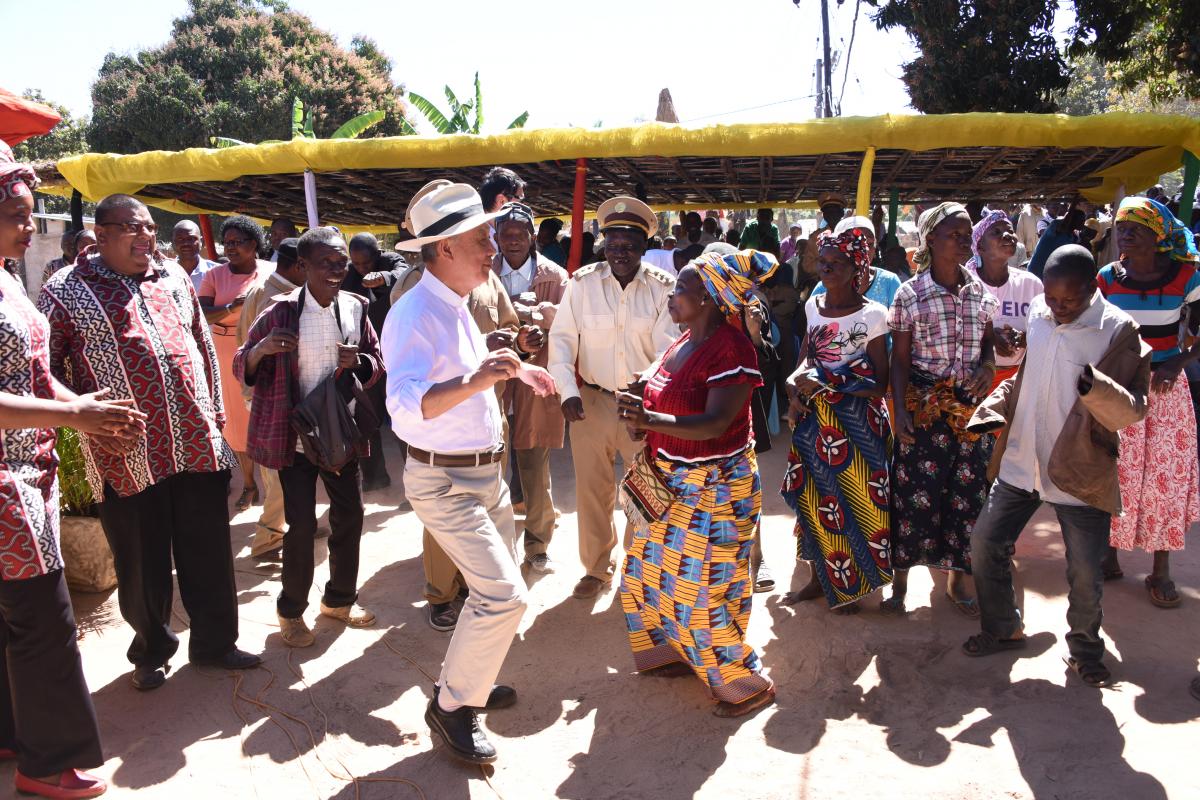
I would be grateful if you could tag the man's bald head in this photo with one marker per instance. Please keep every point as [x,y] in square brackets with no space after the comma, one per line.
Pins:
[186,239]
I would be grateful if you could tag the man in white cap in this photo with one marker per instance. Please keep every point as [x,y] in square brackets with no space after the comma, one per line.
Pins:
[440,397]
[613,323]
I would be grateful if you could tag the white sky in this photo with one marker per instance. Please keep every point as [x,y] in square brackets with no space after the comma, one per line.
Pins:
[724,60]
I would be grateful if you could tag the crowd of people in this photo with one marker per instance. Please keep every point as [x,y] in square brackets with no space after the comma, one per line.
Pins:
[935,399]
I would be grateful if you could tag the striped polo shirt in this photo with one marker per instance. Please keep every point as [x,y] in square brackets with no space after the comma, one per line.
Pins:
[1157,309]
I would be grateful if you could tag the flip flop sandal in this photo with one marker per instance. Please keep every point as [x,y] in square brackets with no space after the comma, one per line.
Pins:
[731,710]
[985,644]
[893,607]
[968,608]
[763,582]
[1158,592]
[1092,673]
[248,498]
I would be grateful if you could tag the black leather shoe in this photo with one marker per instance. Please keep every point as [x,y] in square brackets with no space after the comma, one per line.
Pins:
[146,678]
[460,732]
[443,616]
[501,697]
[377,484]
[234,659]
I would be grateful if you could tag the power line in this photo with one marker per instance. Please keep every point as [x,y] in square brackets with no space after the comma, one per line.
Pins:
[849,48]
[751,108]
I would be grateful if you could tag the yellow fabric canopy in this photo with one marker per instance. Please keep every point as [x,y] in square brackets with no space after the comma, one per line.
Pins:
[96,175]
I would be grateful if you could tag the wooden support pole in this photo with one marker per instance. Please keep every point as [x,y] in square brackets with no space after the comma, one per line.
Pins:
[210,243]
[576,256]
[893,212]
[1191,172]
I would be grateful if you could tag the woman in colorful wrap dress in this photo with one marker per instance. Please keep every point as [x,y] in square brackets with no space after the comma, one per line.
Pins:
[685,587]
[1156,282]
[837,477]
[47,722]
[943,364]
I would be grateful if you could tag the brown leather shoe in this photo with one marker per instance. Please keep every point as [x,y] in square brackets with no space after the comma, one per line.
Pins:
[295,632]
[589,587]
[353,615]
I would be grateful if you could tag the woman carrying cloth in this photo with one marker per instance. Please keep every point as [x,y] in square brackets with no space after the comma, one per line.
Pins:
[943,364]
[1156,282]
[685,588]
[837,478]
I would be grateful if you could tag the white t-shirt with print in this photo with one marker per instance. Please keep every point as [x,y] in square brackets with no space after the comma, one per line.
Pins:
[835,341]
[1014,298]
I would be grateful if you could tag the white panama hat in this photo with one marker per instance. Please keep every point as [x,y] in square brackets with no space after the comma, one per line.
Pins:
[443,212]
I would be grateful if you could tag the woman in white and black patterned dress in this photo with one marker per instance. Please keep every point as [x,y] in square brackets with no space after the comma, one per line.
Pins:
[47,722]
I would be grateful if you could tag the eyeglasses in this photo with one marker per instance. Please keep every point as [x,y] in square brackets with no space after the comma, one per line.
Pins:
[132,227]
[236,243]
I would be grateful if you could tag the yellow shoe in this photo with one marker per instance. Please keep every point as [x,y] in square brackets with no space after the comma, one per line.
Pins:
[353,615]
[295,632]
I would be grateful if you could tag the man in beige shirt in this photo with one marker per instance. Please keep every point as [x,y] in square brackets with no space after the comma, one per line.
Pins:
[287,277]
[612,323]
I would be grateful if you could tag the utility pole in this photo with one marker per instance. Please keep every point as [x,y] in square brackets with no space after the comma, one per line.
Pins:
[820,93]
[827,91]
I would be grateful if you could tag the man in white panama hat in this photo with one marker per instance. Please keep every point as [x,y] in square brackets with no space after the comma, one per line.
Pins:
[439,394]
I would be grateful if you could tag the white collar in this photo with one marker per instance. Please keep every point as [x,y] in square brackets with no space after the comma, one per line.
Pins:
[525,269]
[1092,316]
[441,291]
[310,304]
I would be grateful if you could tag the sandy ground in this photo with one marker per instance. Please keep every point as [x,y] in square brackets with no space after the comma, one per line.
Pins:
[868,706]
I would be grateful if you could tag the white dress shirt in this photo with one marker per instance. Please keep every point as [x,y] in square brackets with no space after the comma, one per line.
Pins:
[429,336]
[320,335]
[663,259]
[517,280]
[614,334]
[1056,357]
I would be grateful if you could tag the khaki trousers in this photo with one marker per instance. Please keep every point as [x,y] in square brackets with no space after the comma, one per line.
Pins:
[271,521]
[442,580]
[468,512]
[596,441]
[533,466]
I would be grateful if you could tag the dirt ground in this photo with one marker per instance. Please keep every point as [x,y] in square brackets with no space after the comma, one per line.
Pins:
[868,706]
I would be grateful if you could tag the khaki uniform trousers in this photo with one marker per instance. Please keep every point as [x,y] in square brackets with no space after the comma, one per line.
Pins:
[596,441]
[468,513]
[533,465]
[271,524]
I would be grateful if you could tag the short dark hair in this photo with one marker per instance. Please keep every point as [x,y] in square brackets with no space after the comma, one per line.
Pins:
[364,241]
[498,181]
[109,206]
[1071,261]
[291,226]
[242,223]
[314,238]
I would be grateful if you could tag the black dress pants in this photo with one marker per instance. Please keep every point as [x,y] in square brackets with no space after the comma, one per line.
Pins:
[185,515]
[374,466]
[46,712]
[299,483]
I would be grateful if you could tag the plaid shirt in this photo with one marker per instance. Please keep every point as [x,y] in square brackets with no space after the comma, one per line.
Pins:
[272,440]
[143,337]
[947,330]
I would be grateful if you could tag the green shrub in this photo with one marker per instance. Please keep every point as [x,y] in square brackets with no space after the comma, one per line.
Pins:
[75,495]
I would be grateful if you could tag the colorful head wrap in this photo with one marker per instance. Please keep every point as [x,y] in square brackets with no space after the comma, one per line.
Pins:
[16,179]
[1172,235]
[515,212]
[853,242]
[930,219]
[982,227]
[730,278]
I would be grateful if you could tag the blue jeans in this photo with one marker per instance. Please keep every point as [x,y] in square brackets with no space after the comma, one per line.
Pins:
[1085,533]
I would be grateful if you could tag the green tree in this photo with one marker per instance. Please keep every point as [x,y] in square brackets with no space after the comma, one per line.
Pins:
[67,138]
[459,120]
[232,68]
[1146,44]
[978,55]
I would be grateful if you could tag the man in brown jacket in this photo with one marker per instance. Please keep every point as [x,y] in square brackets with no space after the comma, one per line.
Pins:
[1085,376]
[535,284]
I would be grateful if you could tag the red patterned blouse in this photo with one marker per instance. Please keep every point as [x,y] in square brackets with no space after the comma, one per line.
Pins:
[726,358]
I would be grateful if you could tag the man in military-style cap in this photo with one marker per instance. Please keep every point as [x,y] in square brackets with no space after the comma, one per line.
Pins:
[833,208]
[613,322]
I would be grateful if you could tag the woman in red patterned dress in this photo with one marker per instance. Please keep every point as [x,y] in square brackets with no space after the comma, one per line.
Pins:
[47,722]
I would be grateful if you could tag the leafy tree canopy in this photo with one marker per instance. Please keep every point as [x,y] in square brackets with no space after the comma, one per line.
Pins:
[978,55]
[232,68]
[67,138]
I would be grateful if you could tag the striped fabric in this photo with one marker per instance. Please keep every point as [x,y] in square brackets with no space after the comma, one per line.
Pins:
[1158,310]
[686,589]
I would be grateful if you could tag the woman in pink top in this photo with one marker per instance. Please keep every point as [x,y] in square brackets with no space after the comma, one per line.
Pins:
[222,292]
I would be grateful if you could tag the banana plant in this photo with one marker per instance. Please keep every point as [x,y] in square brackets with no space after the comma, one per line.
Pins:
[464,117]
[302,126]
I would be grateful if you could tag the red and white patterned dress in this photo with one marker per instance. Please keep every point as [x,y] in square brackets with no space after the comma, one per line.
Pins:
[28,464]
